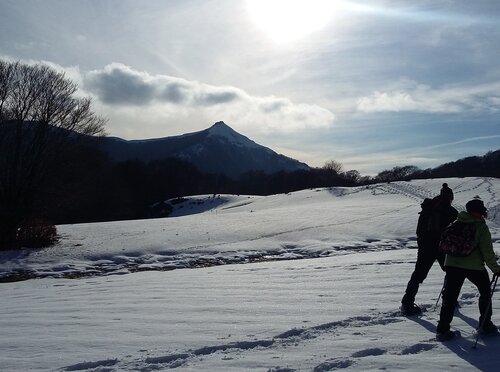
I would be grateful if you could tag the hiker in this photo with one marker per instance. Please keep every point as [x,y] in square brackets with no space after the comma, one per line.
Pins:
[436,214]
[446,191]
[471,267]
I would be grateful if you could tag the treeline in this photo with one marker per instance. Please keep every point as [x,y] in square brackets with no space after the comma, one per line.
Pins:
[472,166]
[91,188]
[88,187]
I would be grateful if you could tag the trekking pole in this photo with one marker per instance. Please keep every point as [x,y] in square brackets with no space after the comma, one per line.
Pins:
[493,284]
[440,294]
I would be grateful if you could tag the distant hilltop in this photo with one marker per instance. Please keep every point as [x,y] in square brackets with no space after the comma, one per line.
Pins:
[218,149]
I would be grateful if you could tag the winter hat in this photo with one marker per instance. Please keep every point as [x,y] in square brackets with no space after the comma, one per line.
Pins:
[476,205]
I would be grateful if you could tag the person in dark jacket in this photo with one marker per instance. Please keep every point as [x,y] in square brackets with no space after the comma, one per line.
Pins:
[446,192]
[436,214]
[470,267]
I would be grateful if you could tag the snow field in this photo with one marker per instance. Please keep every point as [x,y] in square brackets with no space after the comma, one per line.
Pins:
[322,314]
[306,281]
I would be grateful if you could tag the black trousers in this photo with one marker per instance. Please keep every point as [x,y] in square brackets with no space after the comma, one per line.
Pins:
[455,279]
[428,253]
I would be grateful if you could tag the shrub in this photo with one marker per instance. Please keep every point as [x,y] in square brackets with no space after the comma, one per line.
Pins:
[36,233]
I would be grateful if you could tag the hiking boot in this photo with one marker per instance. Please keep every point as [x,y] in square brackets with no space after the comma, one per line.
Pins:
[409,310]
[447,335]
[488,329]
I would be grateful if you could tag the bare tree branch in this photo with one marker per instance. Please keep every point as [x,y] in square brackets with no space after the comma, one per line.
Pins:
[40,119]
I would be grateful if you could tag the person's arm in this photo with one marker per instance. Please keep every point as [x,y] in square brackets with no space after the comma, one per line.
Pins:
[486,247]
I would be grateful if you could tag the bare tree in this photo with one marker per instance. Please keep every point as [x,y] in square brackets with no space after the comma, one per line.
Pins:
[41,118]
[353,176]
[334,165]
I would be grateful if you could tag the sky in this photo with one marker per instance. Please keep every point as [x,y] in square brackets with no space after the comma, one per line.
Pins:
[372,84]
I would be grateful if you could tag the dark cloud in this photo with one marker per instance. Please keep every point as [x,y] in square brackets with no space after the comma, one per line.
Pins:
[174,93]
[119,85]
[215,98]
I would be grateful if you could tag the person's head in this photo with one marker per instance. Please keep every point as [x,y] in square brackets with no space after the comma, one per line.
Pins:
[476,206]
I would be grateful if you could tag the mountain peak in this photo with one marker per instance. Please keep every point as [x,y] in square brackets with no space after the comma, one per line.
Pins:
[220,124]
[221,129]
[218,150]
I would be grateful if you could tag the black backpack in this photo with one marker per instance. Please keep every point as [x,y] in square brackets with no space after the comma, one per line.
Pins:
[458,239]
[429,223]
[435,216]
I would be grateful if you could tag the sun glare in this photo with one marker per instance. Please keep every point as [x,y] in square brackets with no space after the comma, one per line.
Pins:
[288,20]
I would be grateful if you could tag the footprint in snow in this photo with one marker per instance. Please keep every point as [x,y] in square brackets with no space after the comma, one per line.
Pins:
[333,365]
[91,365]
[170,361]
[369,352]
[418,348]
[466,296]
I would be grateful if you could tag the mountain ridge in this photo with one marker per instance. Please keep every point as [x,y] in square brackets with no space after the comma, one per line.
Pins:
[218,149]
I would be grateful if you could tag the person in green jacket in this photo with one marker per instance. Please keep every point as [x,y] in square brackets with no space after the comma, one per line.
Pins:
[470,267]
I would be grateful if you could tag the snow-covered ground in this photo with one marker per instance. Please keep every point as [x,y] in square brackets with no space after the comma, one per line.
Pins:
[310,280]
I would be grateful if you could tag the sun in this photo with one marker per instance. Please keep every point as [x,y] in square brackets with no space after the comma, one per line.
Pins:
[289,20]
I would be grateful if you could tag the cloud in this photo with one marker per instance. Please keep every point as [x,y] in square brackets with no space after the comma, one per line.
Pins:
[174,92]
[218,96]
[119,87]
[466,140]
[118,84]
[383,101]
[421,98]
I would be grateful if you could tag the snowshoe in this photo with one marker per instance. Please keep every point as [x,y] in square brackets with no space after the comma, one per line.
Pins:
[409,310]
[488,329]
[447,336]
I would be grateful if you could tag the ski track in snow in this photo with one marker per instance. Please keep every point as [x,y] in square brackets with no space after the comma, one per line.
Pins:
[292,338]
[357,326]
[362,331]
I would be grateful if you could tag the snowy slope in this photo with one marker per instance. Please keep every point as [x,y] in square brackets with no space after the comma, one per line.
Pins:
[319,314]
[335,310]
[222,130]
[233,229]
